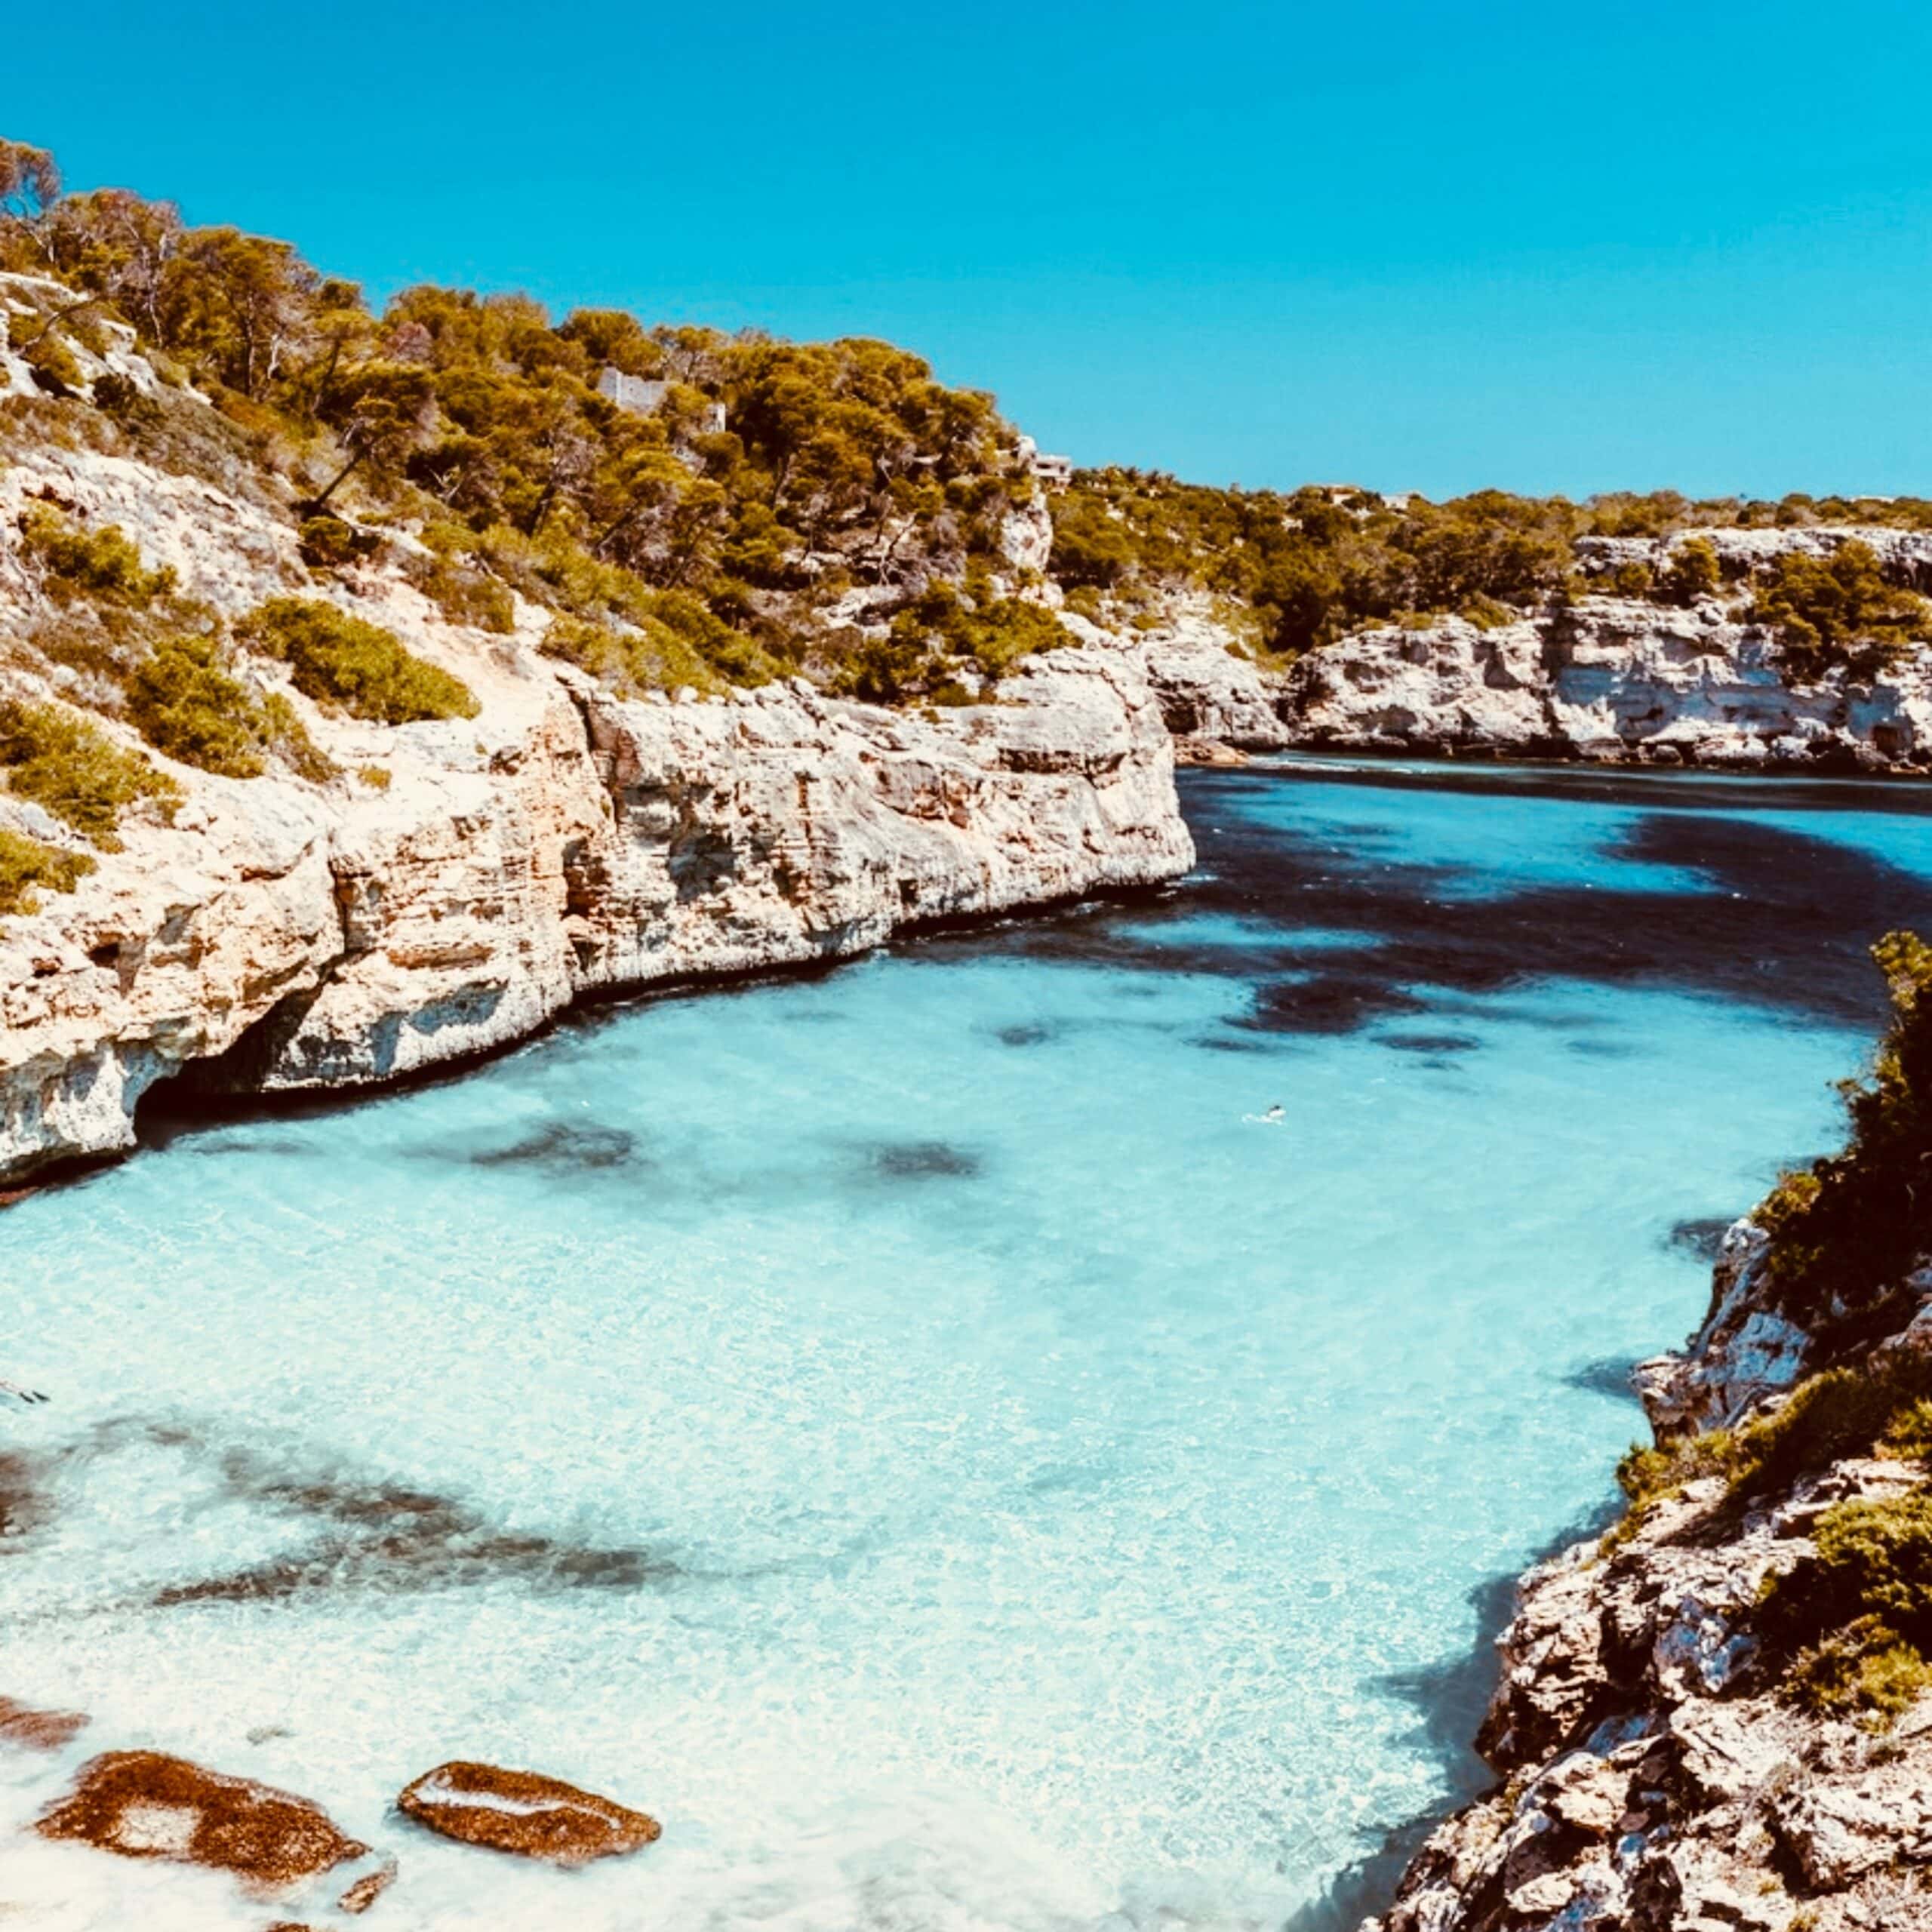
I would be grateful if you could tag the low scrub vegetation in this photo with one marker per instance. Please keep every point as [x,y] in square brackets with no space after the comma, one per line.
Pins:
[1839,611]
[1856,1619]
[80,563]
[633,660]
[1846,1230]
[338,659]
[54,756]
[462,593]
[184,699]
[27,866]
[938,641]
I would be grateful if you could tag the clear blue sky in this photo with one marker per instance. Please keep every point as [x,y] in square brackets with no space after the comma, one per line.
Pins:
[1424,244]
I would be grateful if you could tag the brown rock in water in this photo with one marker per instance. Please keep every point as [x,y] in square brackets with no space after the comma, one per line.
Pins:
[39,1731]
[525,1813]
[145,1805]
[367,1889]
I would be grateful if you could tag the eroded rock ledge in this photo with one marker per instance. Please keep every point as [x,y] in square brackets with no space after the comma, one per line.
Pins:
[564,842]
[1653,1775]
[1607,679]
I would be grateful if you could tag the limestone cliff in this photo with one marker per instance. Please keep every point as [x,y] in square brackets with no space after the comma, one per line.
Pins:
[461,881]
[1656,1771]
[1604,678]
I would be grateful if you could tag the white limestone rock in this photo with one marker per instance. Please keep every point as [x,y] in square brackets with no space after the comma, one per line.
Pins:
[281,935]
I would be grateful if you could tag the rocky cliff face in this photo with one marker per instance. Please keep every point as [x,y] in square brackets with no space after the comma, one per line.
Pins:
[1609,679]
[1654,1773]
[481,874]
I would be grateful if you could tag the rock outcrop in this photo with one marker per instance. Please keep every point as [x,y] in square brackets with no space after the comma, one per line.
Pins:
[484,873]
[525,1814]
[1610,680]
[147,1805]
[32,1730]
[1210,689]
[1604,679]
[1654,1777]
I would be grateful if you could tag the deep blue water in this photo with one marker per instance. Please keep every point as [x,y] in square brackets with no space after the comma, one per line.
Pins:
[916,1429]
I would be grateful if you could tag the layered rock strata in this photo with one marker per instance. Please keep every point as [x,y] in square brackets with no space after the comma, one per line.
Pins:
[1653,1777]
[1606,679]
[482,874]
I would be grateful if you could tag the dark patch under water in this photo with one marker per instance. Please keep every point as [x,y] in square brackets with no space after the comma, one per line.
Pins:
[924,1160]
[359,1535]
[1609,1376]
[560,1145]
[1703,1238]
[22,1505]
[1034,1034]
[1779,919]
[1431,1043]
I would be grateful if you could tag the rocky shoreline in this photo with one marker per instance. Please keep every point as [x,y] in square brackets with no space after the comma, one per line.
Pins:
[275,936]
[1603,679]
[1654,1774]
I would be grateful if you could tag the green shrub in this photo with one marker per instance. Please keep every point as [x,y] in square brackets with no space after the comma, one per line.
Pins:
[730,652]
[329,543]
[1630,579]
[26,863]
[1838,610]
[126,401]
[375,777]
[79,774]
[1849,1410]
[1690,572]
[50,358]
[101,563]
[1855,1618]
[465,596]
[1908,1435]
[652,658]
[284,734]
[883,670]
[336,659]
[1845,1232]
[1487,613]
[940,634]
[1864,1667]
[183,699]
[1875,1559]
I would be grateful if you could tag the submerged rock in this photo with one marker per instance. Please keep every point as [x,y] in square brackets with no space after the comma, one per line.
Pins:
[39,1731]
[147,1804]
[525,1813]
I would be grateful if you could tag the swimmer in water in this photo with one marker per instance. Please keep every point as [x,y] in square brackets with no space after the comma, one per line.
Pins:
[1274,1115]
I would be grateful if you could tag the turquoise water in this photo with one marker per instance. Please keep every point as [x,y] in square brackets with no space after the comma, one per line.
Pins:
[910,1429]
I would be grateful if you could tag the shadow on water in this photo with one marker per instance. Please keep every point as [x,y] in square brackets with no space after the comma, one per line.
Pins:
[923,1160]
[1609,1376]
[1448,1698]
[1780,919]
[1703,1238]
[1783,923]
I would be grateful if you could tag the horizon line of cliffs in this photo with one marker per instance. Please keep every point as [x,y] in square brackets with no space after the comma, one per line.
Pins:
[1603,678]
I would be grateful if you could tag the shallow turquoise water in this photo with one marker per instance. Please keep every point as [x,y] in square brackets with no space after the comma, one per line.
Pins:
[910,1429]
